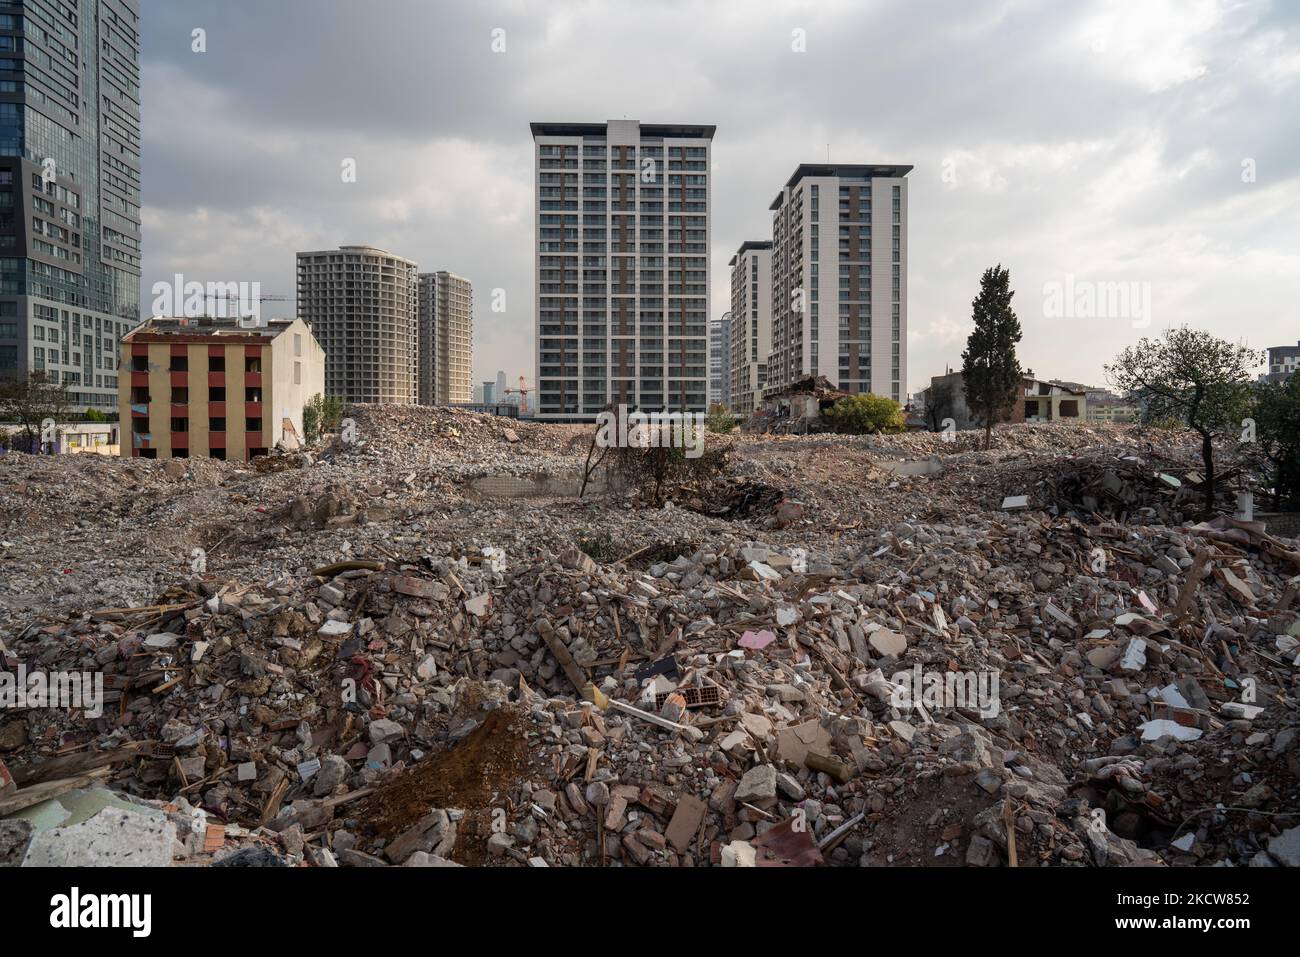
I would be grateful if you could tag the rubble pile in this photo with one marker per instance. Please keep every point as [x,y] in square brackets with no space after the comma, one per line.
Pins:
[787,669]
[454,444]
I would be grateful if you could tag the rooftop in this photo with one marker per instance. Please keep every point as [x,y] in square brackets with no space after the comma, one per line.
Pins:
[843,171]
[678,131]
[206,327]
[749,244]
[363,249]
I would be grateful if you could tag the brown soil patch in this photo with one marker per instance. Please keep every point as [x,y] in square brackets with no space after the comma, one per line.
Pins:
[913,824]
[474,775]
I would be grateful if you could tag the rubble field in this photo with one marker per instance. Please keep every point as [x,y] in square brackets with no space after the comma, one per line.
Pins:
[844,651]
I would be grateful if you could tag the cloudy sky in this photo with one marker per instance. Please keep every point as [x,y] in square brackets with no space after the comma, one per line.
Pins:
[1139,142]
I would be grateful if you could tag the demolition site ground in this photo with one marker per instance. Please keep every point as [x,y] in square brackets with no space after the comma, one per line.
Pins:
[422,648]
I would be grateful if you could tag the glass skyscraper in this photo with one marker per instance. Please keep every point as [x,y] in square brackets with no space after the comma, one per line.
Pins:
[69,190]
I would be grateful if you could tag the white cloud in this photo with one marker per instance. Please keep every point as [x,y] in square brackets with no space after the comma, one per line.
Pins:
[1120,163]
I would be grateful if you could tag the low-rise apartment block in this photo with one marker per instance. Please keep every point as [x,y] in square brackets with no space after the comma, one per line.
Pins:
[215,387]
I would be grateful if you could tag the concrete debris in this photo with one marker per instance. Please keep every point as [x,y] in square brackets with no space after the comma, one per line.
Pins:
[422,649]
[112,838]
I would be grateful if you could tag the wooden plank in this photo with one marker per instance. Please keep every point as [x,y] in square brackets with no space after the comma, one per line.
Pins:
[694,734]
[1191,583]
[37,793]
[571,669]
[75,764]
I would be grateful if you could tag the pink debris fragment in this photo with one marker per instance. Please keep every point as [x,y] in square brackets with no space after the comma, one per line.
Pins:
[757,640]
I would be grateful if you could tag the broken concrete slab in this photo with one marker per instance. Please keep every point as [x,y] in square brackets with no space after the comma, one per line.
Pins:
[111,838]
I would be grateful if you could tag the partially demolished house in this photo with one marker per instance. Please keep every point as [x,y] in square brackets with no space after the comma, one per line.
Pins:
[796,408]
[1038,401]
[221,388]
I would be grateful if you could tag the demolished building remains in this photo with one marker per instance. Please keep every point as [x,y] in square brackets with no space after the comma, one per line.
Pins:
[389,651]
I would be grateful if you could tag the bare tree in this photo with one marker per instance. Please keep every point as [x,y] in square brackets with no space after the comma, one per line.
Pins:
[938,405]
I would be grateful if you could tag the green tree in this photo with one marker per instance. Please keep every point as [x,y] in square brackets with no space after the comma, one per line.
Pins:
[311,415]
[321,413]
[719,419]
[865,413]
[331,412]
[1277,430]
[1194,379]
[990,371]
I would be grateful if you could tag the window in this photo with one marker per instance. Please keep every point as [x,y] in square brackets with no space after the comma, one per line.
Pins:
[139,363]
[216,425]
[180,425]
[180,395]
[253,425]
[297,340]
[216,363]
[179,364]
[217,393]
[297,373]
[253,394]
[252,363]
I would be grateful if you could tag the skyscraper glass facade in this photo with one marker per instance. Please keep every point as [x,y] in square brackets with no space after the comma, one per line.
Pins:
[69,190]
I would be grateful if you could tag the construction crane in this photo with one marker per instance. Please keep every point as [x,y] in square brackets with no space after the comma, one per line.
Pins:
[522,392]
[232,302]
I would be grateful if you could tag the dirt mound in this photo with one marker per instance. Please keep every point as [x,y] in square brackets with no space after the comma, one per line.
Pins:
[474,775]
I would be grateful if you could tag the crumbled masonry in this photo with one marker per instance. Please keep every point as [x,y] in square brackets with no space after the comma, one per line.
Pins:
[420,650]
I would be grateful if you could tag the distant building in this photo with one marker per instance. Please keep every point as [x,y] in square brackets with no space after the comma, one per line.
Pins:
[507,409]
[720,360]
[69,438]
[478,393]
[1113,409]
[1282,362]
[751,323]
[1103,404]
[214,387]
[839,279]
[487,392]
[499,392]
[446,309]
[1037,401]
[361,305]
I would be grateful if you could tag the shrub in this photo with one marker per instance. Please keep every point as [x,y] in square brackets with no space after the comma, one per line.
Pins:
[864,414]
